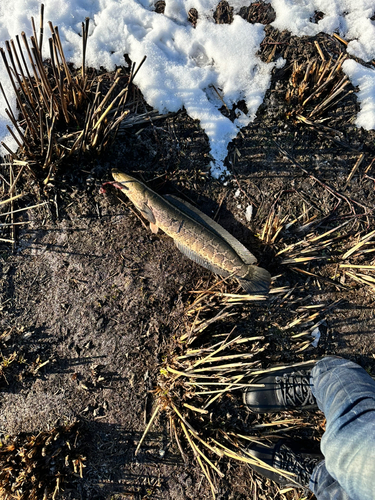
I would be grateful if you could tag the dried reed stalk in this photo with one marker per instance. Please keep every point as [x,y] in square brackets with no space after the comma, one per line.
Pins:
[63,111]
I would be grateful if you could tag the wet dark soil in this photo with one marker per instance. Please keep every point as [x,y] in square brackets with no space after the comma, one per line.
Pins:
[92,302]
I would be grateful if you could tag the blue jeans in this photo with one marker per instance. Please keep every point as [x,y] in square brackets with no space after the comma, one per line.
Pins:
[346,395]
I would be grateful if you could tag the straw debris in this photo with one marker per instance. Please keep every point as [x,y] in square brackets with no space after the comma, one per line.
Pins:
[63,111]
[317,86]
[316,246]
[195,382]
[36,467]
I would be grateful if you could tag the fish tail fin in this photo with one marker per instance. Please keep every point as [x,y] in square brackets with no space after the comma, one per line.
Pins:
[257,280]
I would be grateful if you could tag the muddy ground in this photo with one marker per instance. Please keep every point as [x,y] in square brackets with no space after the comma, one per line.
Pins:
[93,302]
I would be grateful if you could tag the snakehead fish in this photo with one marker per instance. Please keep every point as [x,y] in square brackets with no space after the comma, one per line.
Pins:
[195,234]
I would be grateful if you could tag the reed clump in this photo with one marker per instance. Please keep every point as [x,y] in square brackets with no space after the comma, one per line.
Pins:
[63,111]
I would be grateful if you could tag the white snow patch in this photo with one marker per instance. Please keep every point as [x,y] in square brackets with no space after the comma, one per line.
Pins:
[350,18]
[185,64]
[249,213]
[365,79]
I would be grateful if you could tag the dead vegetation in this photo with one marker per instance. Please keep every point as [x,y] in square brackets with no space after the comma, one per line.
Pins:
[317,86]
[11,216]
[36,467]
[322,248]
[64,111]
[216,369]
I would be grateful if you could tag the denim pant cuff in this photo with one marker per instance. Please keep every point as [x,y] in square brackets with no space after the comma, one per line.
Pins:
[346,395]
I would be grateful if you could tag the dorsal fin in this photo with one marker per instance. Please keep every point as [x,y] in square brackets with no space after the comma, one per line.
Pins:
[246,256]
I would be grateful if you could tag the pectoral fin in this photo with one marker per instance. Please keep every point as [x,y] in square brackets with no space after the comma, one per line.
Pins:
[246,256]
[154,228]
[147,214]
[199,260]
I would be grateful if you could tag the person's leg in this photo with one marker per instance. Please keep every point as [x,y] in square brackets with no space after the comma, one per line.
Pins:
[325,486]
[346,395]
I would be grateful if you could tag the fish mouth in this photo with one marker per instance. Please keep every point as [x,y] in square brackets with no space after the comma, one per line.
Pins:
[122,178]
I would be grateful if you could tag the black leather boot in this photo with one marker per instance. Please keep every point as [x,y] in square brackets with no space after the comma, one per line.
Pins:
[287,456]
[285,389]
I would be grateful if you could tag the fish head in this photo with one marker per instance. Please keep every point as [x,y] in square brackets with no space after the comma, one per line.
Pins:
[135,190]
